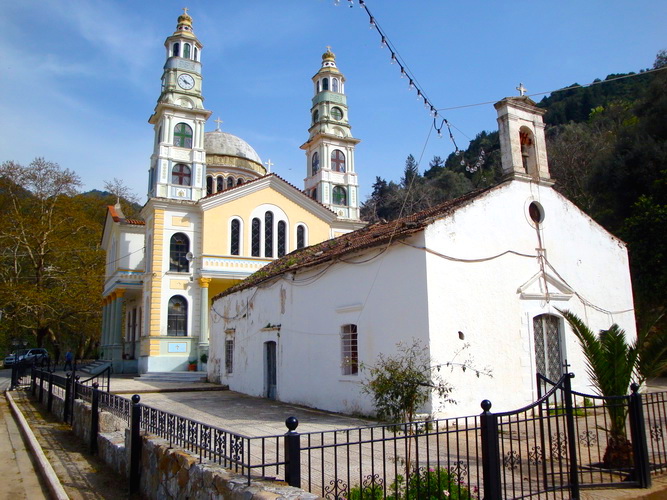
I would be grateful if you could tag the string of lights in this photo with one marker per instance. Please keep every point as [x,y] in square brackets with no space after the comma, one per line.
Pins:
[405,72]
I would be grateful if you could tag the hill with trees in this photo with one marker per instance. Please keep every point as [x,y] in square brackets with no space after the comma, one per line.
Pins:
[607,149]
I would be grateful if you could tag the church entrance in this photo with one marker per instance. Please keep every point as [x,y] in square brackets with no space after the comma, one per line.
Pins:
[270,370]
[548,346]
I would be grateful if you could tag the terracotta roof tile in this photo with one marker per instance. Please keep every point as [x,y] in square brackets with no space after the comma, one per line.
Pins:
[367,237]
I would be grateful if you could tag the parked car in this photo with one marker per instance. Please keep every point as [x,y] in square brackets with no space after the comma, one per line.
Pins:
[14,357]
[36,355]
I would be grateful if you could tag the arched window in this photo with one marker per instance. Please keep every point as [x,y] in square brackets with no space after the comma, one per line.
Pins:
[334,84]
[349,350]
[239,182]
[230,182]
[313,194]
[179,246]
[177,316]
[186,51]
[183,135]
[325,84]
[339,195]
[316,116]
[548,346]
[268,234]
[282,237]
[315,163]
[235,237]
[219,183]
[176,50]
[209,185]
[256,227]
[337,160]
[196,54]
[181,175]
[528,157]
[300,236]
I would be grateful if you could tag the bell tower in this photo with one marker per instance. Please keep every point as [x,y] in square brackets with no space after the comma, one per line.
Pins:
[522,141]
[178,162]
[331,176]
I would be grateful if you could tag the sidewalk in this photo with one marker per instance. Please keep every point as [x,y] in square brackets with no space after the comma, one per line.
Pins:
[83,476]
[20,479]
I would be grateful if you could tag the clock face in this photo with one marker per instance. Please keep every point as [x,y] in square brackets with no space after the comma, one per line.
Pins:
[186,82]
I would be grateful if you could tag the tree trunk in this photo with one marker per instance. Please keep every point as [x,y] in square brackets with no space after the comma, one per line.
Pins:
[618,454]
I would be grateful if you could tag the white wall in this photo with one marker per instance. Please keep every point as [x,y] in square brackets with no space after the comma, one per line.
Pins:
[482,300]
[408,292]
[384,297]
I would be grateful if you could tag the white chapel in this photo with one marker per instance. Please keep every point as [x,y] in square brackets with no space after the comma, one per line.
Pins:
[484,276]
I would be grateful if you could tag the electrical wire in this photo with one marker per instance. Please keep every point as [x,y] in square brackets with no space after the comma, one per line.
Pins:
[571,87]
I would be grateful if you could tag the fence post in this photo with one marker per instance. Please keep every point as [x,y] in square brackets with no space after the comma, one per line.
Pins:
[490,453]
[33,380]
[94,419]
[49,398]
[75,395]
[292,453]
[642,472]
[15,377]
[68,396]
[135,444]
[571,438]
[41,385]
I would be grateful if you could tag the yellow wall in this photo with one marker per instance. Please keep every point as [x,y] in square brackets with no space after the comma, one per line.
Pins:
[216,221]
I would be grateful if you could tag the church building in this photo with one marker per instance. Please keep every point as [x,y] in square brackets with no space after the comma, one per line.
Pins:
[479,280]
[215,214]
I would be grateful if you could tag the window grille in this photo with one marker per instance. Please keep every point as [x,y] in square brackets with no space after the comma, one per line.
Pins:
[349,350]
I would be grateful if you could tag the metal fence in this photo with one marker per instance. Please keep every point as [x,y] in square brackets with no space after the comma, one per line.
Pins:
[563,442]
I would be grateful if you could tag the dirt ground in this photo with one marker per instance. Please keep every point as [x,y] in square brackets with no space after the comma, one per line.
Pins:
[83,475]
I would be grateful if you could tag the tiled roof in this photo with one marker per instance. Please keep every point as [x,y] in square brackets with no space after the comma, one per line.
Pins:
[370,236]
[120,218]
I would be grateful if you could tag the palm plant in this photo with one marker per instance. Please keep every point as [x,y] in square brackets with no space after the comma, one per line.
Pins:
[611,364]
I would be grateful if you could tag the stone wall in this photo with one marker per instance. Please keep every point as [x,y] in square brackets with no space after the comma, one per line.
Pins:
[168,473]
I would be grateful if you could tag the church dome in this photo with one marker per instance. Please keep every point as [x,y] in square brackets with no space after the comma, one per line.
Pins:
[224,149]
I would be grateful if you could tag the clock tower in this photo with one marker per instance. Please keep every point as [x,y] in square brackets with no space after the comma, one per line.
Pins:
[331,176]
[178,163]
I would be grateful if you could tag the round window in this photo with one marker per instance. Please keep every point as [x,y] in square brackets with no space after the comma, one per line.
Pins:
[536,212]
[336,113]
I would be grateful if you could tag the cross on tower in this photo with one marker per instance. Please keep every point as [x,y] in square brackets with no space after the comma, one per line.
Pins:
[218,121]
[522,90]
[185,10]
[269,164]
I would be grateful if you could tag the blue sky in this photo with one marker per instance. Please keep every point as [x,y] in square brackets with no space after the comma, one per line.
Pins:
[81,77]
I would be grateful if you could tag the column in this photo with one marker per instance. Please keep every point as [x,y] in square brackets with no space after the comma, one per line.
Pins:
[106,322]
[118,318]
[203,334]
[116,343]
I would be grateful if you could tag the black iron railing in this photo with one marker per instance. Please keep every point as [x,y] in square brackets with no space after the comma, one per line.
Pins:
[551,448]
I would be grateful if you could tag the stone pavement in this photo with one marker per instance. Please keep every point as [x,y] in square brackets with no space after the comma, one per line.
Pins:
[82,475]
[19,477]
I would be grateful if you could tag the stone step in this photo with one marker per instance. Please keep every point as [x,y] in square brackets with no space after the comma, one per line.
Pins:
[172,377]
[95,367]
